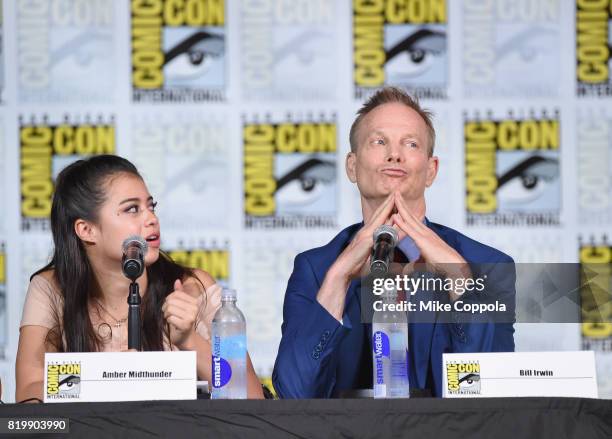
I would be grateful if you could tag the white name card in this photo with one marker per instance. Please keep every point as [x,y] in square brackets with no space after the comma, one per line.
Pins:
[500,374]
[119,376]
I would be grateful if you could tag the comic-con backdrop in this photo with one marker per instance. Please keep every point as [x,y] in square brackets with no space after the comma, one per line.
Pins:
[237,113]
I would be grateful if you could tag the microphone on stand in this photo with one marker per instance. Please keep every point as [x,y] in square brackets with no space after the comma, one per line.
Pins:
[385,240]
[134,250]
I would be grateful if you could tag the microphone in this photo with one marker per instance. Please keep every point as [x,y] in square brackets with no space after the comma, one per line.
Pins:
[134,250]
[385,240]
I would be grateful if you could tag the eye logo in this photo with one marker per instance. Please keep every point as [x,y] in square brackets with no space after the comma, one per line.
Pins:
[305,182]
[193,57]
[593,23]
[513,169]
[290,173]
[469,381]
[48,146]
[305,46]
[416,53]
[527,180]
[595,281]
[63,380]
[463,378]
[178,51]
[527,45]
[400,45]
[62,45]
[83,49]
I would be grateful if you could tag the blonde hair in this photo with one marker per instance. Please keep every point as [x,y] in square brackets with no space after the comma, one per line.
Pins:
[388,95]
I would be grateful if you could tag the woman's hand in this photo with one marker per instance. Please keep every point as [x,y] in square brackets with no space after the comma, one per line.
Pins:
[181,311]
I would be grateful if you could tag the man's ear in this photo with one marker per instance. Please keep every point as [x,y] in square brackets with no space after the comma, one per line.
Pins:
[350,165]
[85,231]
[432,170]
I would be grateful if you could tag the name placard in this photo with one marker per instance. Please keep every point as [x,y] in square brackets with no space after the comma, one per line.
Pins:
[119,376]
[507,374]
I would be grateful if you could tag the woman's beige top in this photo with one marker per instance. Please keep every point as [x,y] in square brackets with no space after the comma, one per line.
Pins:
[43,307]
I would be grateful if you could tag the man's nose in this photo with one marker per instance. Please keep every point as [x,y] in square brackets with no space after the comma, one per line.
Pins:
[394,153]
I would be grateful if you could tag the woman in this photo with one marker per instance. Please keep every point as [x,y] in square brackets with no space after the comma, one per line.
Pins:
[78,302]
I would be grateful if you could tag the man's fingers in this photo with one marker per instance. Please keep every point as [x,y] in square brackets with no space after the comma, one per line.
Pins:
[407,216]
[379,217]
[382,213]
[408,268]
[401,206]
[365,268]
[409,222]
[400,232]
[401,224]
[382,208]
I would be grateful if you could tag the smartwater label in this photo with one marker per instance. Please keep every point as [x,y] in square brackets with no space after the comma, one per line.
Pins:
[224,351]
[381,348]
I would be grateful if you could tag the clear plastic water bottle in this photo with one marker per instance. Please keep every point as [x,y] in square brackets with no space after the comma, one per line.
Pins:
[390,351]
[229,350]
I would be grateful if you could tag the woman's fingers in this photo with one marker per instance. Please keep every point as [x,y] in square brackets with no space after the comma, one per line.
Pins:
[186,313]
[178,285]
[176,323]
[181,309]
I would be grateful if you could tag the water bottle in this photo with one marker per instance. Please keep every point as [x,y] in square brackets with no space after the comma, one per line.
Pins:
[390,350]
[229,351]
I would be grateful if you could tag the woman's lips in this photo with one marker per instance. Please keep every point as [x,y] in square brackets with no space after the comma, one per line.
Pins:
[154,242]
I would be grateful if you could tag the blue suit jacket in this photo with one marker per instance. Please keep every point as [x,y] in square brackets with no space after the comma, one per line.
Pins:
[318,356]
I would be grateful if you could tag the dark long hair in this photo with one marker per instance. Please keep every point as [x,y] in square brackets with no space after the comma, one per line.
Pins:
[80,191]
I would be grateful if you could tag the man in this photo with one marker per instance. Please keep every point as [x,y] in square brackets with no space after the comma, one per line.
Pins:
[325,349]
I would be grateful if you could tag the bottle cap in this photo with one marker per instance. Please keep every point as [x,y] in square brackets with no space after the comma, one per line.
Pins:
[228,294]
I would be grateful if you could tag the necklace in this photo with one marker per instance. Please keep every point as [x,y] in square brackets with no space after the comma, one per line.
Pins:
[118,322]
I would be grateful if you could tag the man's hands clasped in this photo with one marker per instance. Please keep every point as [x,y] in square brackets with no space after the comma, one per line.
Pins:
[438,255]
[353,262]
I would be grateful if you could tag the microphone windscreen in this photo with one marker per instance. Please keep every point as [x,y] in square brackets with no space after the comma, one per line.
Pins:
[138,241]
[386,230]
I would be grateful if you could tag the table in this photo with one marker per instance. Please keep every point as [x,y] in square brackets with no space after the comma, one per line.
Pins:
[422,418]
